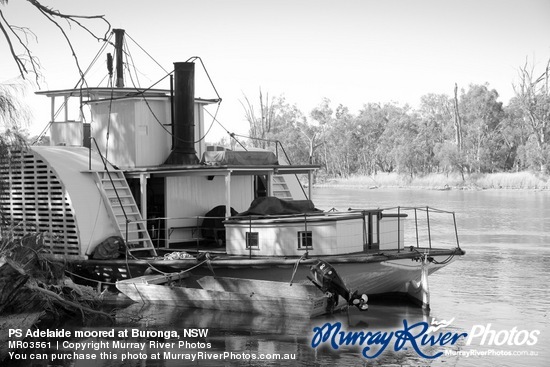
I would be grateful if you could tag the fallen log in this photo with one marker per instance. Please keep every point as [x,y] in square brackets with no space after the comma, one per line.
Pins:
[65,302]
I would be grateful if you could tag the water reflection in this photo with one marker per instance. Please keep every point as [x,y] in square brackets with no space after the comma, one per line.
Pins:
[229,332]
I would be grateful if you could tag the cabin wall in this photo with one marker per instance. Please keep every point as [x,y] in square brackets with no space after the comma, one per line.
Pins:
[193,196]
[350,235]
[136,138]
[121,145]
[66,133]
[389,233]
[330,237]
[153,142]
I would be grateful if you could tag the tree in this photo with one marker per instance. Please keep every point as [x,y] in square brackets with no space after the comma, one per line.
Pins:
[516,133]
[436,126]
[12,114]
[277,121]
[260,126]
[533,98]
[314,134]
[480,113]
[287,124]
[17,37]
[371,122]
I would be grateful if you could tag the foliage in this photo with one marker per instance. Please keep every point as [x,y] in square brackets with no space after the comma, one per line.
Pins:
[13,113]
[470,133]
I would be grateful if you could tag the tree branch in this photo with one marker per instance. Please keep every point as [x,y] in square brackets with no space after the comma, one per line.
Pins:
[51,15]
[20,64]
[73,17]
[35,63]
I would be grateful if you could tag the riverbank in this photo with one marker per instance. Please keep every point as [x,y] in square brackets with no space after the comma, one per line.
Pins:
[505,180]
[33,287]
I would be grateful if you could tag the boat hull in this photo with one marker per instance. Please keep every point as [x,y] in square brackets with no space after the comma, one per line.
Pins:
[371,278]
[232,294]
[401,273]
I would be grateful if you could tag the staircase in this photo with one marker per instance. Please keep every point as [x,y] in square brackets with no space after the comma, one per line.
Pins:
[124,211]
[280,188]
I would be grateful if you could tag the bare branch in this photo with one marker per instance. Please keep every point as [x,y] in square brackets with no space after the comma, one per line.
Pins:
[35,63]
[20,64]
[46,14]
[73,18]
[51,15]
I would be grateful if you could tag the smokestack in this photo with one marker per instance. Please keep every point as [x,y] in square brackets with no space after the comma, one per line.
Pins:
[119,41]
[183,125]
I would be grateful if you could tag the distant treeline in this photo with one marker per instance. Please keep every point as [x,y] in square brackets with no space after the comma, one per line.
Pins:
[467,132]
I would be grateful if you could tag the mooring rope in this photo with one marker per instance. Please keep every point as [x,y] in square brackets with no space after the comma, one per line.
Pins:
[149,265]
[296,267]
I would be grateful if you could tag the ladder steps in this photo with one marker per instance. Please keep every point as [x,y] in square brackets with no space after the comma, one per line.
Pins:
[113,179]
[122,207]
[280,188]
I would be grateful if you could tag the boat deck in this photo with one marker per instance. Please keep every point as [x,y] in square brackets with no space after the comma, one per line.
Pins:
[219,257]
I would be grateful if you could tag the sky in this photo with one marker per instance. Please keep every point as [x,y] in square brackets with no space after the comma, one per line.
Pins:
[352,52]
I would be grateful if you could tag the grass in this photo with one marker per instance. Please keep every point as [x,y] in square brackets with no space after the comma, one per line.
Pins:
[438,181]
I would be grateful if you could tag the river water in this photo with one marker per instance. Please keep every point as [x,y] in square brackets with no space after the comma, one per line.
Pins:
[499,290]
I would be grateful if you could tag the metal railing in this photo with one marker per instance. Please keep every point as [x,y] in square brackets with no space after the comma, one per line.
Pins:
[372,236]
[428,224]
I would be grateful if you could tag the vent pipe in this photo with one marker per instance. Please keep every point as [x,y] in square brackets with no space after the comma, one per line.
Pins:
[183,125]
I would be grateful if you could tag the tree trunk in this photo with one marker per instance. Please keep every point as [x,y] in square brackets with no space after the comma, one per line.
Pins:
[458,122]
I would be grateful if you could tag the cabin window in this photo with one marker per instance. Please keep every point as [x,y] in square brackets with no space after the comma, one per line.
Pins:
[305,240]
[252,240]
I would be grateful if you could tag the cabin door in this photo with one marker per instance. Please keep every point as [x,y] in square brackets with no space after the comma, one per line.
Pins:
[156,189]
[260,186]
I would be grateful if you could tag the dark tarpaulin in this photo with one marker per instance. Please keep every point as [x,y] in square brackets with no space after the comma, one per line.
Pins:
[239,158]
[273,206]
[212,225]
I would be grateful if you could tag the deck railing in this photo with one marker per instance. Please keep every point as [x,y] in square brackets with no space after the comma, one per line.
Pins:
[162,228]
[451,221]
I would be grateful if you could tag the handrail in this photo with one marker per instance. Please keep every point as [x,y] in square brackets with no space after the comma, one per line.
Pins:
[313,217]
[428,210]
[111,180]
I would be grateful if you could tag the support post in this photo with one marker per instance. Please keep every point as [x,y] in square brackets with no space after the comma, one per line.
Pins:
[52,112]
[309,188]
[398,229]
[143,194]
[429,230]
[456,231]
[66,107]
[416,226]
[270,184]
[228,194]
